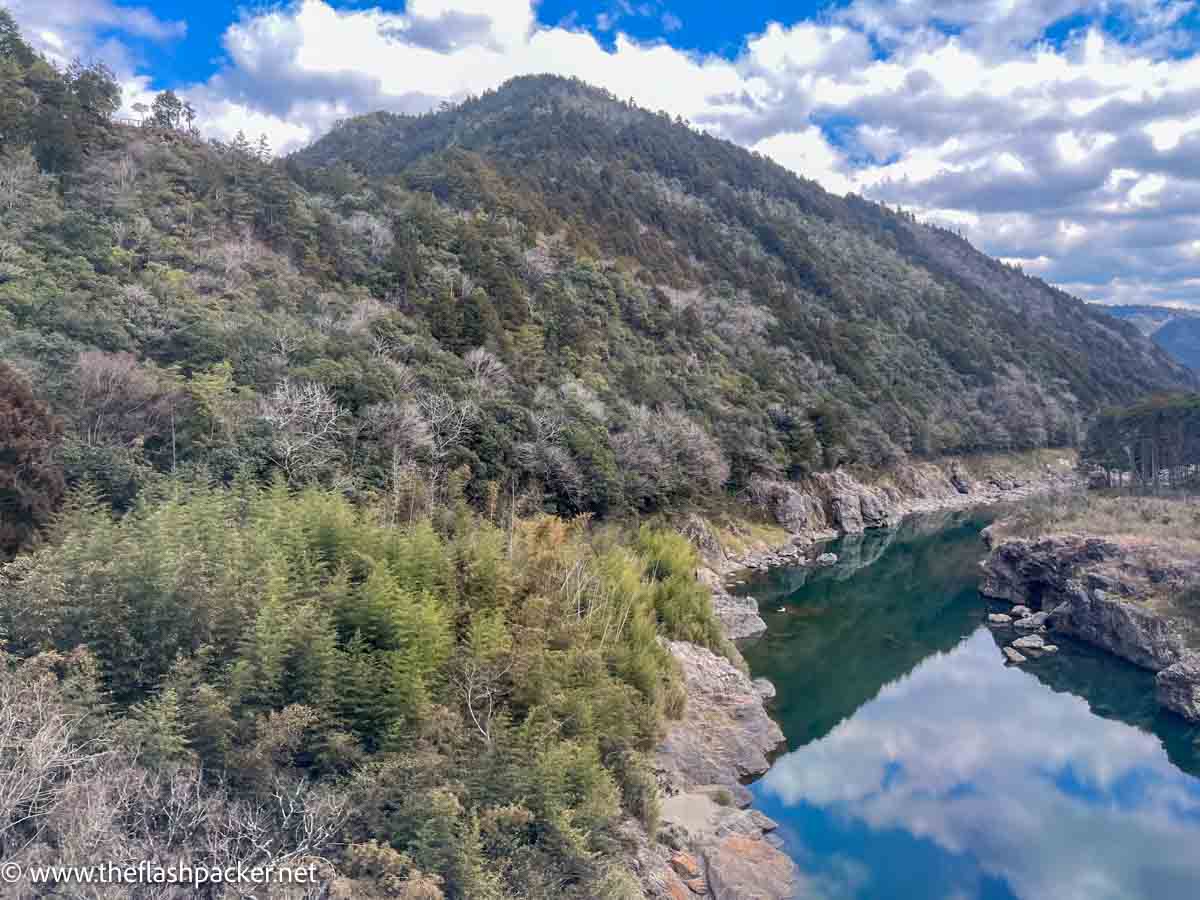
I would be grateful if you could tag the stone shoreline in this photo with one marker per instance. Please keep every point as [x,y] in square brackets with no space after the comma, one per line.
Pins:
[711,844]
[1107,593]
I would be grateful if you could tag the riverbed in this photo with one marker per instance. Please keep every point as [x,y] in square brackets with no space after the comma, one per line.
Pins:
[919,764]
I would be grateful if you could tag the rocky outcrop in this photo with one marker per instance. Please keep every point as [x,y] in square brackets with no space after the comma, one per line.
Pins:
[1113,594]
[1177,687]
[1120,625]
[842,502]
[725,734]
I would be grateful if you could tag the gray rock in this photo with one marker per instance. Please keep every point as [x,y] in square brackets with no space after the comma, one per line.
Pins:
[1033,622]
[1020,612]
[999,619]
[959,478]
[827,559]
[1120,626]
[745,868]
[1013,656]
[725,733]
[1177,687]
[1031,643]
[738,615]
[765,689]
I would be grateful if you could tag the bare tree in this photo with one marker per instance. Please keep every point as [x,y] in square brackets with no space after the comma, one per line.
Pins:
[119,399]
[489,376]
[307,425]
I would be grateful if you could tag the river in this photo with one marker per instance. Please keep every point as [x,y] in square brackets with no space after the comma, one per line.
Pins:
[919,765]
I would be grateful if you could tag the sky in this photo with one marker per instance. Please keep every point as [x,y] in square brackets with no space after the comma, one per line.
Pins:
[1060,136]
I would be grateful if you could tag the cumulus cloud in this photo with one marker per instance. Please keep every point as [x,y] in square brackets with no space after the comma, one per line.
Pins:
[1059,134]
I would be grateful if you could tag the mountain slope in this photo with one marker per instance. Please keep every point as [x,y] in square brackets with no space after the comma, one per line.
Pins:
[1175,330]
[863,307]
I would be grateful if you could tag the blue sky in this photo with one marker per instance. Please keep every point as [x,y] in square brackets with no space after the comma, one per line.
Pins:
[1063,136]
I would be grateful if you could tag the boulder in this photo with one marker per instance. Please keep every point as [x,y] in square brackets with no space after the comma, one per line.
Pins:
[1014,657]
[999,619]
[1032,622]
[1020,612]
[741,868]
[1177,687]
[703,536]
[738,615]
[1031,643]
[827,559]
[765,689]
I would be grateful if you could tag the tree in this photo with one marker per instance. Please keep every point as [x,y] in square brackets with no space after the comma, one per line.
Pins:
[31,480]
[306,423]
[167,110]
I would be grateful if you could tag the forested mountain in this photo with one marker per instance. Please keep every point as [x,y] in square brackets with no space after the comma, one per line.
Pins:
[1175,330]
[298,461]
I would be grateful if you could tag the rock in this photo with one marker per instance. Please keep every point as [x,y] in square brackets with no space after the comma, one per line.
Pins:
[697,886]
[1032,622]
[959,478]
[742,868]
[702,535]
[1015,657]
[685,865]
[1031,643]
[1020,612]
[724,735]
[1177,687]
[794,509]
[999,619]
[765,689]
[827,559]
[1120,626]
[738,615]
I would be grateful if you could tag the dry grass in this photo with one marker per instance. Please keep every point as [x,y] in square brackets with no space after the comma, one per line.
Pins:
[739,536]
[1172,523]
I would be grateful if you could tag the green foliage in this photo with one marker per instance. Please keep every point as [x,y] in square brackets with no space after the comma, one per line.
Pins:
[492,696]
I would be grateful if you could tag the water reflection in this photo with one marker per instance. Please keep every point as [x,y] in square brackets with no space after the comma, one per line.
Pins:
[926,768]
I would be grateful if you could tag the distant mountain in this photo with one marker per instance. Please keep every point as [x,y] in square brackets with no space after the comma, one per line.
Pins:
[1175,330]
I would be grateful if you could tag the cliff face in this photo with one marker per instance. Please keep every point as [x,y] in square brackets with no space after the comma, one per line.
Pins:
[1120,595]
[839,502]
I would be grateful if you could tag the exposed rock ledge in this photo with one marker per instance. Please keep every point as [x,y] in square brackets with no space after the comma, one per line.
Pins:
[1116,595]
[710,844]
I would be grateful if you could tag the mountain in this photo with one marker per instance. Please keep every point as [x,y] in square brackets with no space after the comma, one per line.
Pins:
[544,288]
[1175,330]
[831,309]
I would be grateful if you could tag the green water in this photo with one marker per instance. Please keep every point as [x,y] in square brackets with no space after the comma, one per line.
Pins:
[919,765]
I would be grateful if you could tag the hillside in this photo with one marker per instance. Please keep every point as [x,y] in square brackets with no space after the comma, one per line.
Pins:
[926,345]
[1175,330]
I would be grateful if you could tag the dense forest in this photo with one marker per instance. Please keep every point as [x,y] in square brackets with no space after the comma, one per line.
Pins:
[1153,445]
[325,481]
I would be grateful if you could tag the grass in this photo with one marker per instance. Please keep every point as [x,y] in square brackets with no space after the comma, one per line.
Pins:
[1140,520]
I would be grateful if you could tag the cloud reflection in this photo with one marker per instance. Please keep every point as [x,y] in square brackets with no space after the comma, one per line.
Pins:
[987,763]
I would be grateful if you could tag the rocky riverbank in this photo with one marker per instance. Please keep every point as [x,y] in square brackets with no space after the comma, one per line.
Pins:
[1124,595]
[709,844]
[835,504]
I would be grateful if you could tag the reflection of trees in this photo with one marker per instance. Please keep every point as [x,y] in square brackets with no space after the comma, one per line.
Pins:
[895,597]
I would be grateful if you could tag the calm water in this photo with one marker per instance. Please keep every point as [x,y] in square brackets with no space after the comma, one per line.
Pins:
[920,766]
